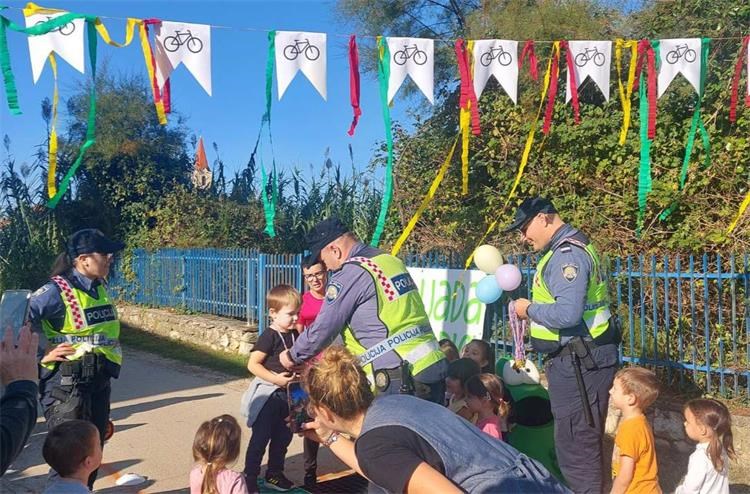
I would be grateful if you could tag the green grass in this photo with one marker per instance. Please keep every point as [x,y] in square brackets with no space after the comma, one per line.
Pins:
[227,363]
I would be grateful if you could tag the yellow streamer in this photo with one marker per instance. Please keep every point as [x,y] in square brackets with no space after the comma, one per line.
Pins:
[161,115]
[526,150]
[32,9]
[741,211]
[52,159]
[426,201]
[627,91]
[129,31]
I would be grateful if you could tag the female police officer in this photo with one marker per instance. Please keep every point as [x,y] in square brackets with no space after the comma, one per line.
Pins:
[79,321]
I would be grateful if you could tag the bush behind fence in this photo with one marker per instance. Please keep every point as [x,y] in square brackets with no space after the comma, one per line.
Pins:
[688,317]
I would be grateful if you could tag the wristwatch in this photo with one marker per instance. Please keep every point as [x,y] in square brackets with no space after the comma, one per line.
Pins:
[331,439]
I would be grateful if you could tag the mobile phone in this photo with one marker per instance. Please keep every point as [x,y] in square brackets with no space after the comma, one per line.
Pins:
[14,310]
[298,400]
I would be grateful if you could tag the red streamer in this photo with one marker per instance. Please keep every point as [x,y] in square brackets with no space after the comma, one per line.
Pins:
[528,51]
[354,82]
[646,55]
[164,96]
[467,88]
[572,82]
[552,92]
[736,81]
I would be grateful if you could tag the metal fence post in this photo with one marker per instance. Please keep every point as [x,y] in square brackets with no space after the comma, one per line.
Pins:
[261,293]
[248,282]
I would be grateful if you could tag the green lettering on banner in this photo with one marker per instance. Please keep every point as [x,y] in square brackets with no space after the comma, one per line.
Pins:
[475,304]
[455,314]
[443,302]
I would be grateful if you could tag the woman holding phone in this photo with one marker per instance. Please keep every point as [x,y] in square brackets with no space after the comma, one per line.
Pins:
[316,278]
[78,319]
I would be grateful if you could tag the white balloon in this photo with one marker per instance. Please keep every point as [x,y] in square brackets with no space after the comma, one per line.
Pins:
[487,258]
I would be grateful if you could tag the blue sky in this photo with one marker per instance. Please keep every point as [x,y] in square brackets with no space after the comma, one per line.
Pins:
[304,125]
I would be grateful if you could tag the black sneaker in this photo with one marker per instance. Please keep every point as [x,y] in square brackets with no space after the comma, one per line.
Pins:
[278,482]
[311,480]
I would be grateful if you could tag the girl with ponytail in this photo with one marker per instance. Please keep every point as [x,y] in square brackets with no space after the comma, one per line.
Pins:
[402,443]
[709,423]
[217,445]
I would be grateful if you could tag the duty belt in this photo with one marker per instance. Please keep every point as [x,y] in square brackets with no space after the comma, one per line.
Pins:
[82,371]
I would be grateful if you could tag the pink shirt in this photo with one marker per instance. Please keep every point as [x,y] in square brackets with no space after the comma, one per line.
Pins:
[227,481]
[490,426]
[309,310]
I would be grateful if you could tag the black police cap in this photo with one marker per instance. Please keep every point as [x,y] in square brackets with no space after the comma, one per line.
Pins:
[323,234]
[529,208]
[91,240]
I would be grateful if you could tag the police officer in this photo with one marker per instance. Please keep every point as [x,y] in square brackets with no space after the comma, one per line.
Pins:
[372,301]
[571,323]
[78,320]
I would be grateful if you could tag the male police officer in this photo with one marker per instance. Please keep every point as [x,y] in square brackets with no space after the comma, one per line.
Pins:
[372,301]
[570,321]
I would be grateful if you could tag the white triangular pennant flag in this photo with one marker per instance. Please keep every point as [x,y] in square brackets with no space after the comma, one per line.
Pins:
[301,51]
[498,57]
[590,59]
[414,57]
[190,44]
[679,56]
[66,41]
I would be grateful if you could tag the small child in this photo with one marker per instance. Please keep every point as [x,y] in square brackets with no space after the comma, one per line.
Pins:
[708,423]
[484,397]
[634,465]
[268,406]
[216,445]
[480,352]
[459,371]
[449,349]
[74,450]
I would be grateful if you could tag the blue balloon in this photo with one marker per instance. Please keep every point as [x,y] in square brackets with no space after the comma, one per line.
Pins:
[488,292]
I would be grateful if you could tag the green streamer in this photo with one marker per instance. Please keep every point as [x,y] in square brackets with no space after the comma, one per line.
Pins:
[91,124]
[644,172]
[269,205]
[695,125]
[384,73]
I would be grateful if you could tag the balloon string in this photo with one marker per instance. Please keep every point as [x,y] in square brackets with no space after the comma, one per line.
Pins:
[518,328]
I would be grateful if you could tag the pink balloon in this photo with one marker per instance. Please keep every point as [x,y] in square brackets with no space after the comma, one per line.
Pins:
[508,277]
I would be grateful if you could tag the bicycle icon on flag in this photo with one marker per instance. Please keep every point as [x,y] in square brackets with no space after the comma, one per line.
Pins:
[173,43]
[588,55]
[503,57]
[681,51]
[401,56]
[66,29]
[291,52]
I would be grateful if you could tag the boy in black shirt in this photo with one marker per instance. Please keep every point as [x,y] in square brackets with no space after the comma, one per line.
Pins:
[270,425]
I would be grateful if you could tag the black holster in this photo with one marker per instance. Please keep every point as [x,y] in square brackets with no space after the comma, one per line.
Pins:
[407,380]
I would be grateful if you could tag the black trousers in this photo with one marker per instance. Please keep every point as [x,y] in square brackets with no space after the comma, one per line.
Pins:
[88,402]
[269,429]
[310,454]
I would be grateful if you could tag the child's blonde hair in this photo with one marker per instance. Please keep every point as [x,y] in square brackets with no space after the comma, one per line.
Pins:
[715,415]
[216,445]
[488,387]
[281,296]
[641,383]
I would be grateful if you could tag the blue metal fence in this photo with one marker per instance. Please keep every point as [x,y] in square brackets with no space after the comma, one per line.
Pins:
[687,317]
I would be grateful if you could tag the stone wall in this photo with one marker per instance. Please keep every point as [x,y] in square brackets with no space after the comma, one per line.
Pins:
[217,333]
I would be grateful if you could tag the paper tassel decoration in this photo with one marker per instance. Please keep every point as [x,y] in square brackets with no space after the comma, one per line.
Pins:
[414,57]
[301,51]
[590,59]
[66,41]
[499,58]
[189,44]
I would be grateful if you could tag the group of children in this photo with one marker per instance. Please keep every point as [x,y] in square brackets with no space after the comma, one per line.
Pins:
[473,392]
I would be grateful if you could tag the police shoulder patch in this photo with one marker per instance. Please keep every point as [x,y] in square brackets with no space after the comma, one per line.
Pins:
[41,291]
[332,292]
[570,271]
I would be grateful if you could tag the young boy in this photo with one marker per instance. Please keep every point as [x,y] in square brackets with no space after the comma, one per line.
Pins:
[634,457]
[74,450]
[269,400]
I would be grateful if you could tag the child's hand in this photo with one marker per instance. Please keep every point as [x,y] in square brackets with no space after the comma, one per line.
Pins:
[282,379]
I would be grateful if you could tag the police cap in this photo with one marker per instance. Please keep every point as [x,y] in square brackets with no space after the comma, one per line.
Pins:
[91,240]
[529,208]
[323,234]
